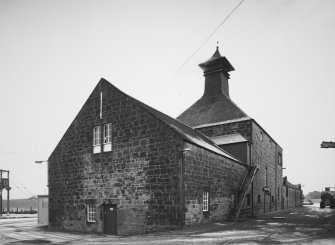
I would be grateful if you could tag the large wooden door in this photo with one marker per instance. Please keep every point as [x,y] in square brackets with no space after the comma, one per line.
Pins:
[110,219]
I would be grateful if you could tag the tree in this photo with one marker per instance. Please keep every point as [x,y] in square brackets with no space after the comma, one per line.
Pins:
[313,195]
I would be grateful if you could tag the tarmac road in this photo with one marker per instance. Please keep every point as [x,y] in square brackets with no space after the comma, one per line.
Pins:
[304,225]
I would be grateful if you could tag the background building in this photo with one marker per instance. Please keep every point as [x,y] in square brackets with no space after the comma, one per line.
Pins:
[292,195]
[218,117]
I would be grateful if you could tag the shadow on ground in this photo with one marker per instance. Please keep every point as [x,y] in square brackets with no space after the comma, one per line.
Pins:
[299,225]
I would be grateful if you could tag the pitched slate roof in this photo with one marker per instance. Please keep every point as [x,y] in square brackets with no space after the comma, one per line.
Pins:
[211,110]
[185,131]
[213,107]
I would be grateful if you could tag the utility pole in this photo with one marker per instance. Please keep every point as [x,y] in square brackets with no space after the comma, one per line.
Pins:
[4,184]
[326,144]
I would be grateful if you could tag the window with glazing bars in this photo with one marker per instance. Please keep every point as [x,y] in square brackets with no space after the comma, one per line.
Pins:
[107,137]
[96,139]
[90,213]
[205,201]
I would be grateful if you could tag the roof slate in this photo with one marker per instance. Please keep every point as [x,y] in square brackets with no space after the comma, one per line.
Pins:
[211,110]
[185,131]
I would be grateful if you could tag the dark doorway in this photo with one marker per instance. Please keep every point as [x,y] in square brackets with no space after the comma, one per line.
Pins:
[267,203]
[110,219]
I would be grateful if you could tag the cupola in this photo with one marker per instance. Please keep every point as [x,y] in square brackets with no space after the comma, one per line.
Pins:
[216,71]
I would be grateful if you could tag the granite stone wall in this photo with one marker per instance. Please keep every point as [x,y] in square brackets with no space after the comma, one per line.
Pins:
[265,153]
[292,195]
[141,175]
[212,173]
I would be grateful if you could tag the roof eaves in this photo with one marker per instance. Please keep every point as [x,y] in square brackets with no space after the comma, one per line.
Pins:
[214,148]
[222,122]
[211,147]
[228,139]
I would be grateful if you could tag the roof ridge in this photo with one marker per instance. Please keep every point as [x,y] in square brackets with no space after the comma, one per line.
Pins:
[215,148]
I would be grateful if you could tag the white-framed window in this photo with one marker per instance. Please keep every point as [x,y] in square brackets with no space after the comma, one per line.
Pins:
[205,201]
[107,142]
[96,139]
[90,213]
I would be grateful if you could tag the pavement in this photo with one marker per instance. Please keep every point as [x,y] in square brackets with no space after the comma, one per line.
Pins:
[303,225]
[17,216]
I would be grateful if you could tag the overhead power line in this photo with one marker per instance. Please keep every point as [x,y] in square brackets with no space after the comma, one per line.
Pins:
[203,43]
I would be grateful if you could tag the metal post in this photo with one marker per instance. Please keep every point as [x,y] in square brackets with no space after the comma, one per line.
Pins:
[1,192]
[8,188]
[4,184]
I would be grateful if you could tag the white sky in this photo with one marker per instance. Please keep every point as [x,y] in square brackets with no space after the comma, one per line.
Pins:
[53,53]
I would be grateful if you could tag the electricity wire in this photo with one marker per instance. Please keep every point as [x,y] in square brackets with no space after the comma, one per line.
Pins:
[24,193]
[202,44]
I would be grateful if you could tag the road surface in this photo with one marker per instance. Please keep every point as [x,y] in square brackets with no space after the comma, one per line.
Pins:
[305,225]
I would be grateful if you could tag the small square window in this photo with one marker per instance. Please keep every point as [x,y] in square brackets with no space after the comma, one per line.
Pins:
[90,213]
[205,201]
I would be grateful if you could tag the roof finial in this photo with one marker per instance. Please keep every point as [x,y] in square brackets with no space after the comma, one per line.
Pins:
[217,45]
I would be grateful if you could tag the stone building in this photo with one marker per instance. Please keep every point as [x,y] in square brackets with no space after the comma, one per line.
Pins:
[292,195]
[218,117]
[123,167]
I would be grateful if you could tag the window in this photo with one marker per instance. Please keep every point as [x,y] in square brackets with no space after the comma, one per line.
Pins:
[205,201]
[280,159]
[107,137]
[96,139]
[233,199]
[90,213]
[266,176]
[260,136]
[272,198]
[248,200]
[258,199]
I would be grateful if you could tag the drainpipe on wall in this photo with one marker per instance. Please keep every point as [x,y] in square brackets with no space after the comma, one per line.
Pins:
[276,171]
[182,187]
[252,184]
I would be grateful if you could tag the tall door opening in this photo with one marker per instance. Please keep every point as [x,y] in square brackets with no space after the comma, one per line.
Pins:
[110,219]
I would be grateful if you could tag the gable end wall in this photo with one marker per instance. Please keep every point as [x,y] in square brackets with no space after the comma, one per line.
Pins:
[141,175]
